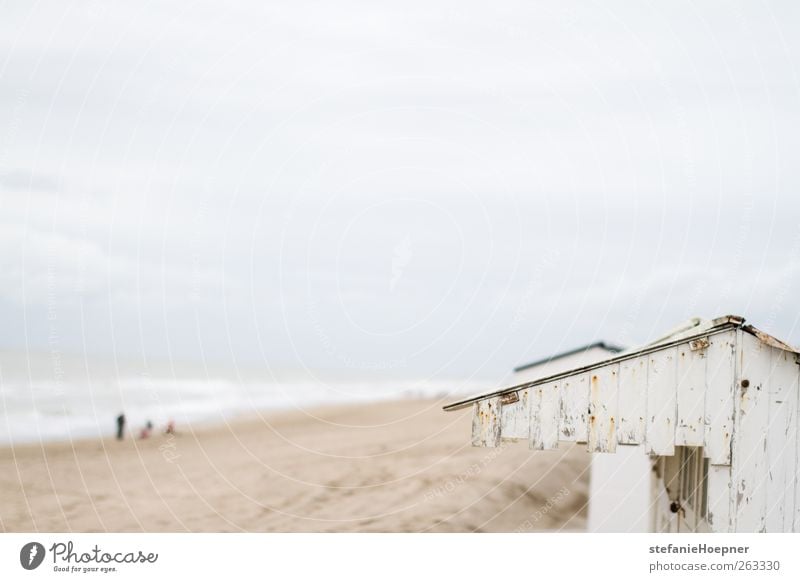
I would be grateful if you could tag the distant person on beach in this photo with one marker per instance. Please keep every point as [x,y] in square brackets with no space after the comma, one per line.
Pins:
[170,427]
[148,428]
[120,427]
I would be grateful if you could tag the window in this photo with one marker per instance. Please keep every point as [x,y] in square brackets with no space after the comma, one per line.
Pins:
[693,480]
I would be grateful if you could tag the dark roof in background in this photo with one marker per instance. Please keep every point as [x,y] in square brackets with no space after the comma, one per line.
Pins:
[601,344]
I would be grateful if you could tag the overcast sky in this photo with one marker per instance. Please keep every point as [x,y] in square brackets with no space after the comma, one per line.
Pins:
[422,188]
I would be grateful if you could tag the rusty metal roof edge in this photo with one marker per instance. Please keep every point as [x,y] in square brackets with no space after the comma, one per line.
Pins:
[717,325]
[769,340]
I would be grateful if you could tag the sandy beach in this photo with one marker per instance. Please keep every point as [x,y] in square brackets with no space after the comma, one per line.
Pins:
[401,466]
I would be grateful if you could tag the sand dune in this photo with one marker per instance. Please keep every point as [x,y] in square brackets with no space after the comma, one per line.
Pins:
[394,466]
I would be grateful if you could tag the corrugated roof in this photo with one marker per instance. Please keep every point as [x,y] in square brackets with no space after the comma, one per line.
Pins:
[685,333]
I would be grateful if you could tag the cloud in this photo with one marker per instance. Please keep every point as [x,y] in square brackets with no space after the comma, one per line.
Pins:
[19,180]
[346,186]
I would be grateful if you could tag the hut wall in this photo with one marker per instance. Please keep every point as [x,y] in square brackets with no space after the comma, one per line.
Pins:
[732,393]
[763,492]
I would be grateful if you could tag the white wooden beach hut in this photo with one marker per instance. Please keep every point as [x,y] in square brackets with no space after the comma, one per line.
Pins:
[715,407]
[619,485]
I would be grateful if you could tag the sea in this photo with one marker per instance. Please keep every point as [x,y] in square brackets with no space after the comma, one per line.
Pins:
[52,397]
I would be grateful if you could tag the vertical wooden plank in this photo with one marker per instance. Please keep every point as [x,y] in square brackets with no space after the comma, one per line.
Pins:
[515,418]
[603,405]
[661,402]
[551,397]
[791,375]
[632,401]
[720,380]
[719,498]
[486,423]
[781,440]
[690,429]
[544,416]
[573,407]
[796,519]
[749,463]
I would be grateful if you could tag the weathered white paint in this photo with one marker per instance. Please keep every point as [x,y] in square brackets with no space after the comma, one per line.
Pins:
[486,423]
[735,394]
[619,484]
[603,401]
[573,407]
[720,378]
[544,405]
[661,399]
[632,401]
[719,498]
[796,468]
[749,463]
[781,440]
[515,418]
[690,428]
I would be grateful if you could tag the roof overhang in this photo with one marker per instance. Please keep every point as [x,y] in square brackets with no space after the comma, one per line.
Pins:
[697,332]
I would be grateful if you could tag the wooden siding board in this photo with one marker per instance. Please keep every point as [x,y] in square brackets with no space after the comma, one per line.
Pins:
[781,440]
[719,498]
[603,404]
[719,409]
[661,402]
[515,421]
[573,407]
[691,393]
[632,401]
[792,472]
[796,518]
[486,423]
[544,406]
[749,463]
